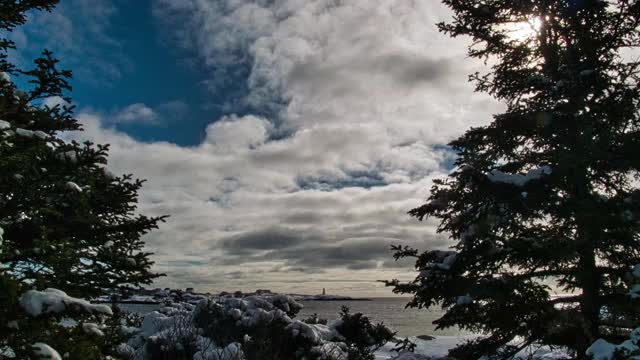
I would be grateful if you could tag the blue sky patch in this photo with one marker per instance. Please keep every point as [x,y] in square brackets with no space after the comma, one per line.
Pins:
[120,55]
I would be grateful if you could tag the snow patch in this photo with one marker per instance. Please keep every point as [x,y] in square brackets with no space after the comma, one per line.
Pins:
[93,329]
[68,323]
[464,300]
[443,261]
[41,134]
[316,333]
[7,352]
[604,350]
[36,303]
[25,133]
[447,262]
[331,351]
[44,351]
[125,350]
[209,351]
[73,186]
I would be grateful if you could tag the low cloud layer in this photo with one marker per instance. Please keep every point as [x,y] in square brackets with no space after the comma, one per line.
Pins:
[353,102]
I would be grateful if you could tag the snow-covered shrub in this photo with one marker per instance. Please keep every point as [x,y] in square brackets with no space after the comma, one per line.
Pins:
[315,319]
[173,335]
[361,336]
[252,328]
[627,350]
[260,325]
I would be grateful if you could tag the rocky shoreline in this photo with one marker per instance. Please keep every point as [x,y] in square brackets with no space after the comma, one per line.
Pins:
[161,296]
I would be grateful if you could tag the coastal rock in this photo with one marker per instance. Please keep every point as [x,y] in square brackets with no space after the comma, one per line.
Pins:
[425,337]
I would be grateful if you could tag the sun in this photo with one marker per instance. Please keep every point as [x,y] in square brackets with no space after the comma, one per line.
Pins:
[524,30]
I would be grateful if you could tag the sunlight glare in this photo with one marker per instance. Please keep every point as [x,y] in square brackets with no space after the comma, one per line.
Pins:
[525,30]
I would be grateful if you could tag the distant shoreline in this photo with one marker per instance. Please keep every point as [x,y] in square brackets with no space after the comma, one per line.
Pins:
[132,302]
[352,299]
[138,302]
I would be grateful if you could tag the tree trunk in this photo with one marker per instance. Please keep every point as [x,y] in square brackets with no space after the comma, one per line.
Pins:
[588,276]
[589,304]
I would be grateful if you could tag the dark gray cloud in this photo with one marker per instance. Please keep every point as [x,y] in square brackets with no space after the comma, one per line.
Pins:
[343,254]
[304,251]
[405,68]
[267,239]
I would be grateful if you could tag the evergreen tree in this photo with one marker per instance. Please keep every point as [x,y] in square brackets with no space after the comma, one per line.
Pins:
[546,196]
[65,221]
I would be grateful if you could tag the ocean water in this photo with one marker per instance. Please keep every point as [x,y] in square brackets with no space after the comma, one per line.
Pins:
[390,311]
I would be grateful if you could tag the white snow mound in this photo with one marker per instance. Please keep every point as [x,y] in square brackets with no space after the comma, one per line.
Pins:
[44,351]
[36,303]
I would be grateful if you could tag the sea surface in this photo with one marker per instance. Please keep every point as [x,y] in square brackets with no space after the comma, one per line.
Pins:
[390,311]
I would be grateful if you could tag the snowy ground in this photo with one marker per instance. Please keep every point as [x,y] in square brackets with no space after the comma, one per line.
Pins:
[177,320]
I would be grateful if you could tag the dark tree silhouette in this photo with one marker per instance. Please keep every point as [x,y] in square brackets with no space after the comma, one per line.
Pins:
[545,196]
[65,221]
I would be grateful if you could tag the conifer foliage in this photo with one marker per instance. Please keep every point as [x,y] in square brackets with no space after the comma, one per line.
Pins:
[545,198]
[66,222]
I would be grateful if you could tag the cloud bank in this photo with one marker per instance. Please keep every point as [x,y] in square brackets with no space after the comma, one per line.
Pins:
[349,105]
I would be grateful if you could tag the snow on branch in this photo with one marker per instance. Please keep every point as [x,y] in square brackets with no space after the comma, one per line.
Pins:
[36,302]
[93,329]
[73,186]
[443,261]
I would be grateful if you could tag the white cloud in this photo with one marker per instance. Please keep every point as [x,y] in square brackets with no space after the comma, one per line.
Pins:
[136,113]
[215,191]
[365,92]
[231,134]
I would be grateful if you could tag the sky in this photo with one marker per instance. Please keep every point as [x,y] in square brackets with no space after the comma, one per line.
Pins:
[287,139]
